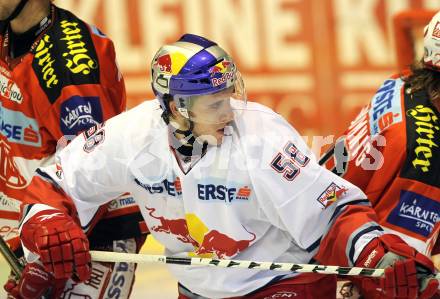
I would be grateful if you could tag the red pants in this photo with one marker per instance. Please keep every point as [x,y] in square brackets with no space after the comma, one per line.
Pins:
[372,293]
[305,286]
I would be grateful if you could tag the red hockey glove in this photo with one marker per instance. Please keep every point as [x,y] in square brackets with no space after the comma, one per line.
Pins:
[34,283]
[408,274]
[61,244]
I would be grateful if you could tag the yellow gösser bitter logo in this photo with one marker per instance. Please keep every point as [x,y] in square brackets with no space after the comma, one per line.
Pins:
[426,128]
[78,59]
[45,60]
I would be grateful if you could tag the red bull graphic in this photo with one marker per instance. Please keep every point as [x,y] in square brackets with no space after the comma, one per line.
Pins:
[213,243]
[163,63]
[170,63]
[331,194]
[220,67]
[177,227]
[206,242]
[222,245]
[225,77]
[221,72]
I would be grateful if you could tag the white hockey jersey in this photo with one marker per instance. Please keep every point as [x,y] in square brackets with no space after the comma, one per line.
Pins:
[258,196]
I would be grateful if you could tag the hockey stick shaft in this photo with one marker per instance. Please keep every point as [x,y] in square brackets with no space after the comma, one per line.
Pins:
[104,256]
[10,258]
[14,263]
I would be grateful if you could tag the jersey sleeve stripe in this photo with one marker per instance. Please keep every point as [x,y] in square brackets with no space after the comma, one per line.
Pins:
[340,207]
[46,177]
[362,235]
[338,211]
[314,245]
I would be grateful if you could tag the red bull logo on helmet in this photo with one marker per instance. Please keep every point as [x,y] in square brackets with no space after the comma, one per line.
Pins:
[163,63]
[224,78]
[221,73]
[220,68]
[170,63]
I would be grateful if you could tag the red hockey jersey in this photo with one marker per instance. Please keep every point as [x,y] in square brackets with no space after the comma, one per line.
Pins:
[66,83]
[391,151]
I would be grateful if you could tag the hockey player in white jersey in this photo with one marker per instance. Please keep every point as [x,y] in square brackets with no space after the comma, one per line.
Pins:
[215,176]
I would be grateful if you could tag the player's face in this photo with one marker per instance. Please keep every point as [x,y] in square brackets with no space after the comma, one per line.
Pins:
[7,7]
[211,114]
[212,134]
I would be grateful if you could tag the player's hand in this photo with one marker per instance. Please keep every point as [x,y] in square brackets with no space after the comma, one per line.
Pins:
[408,273]
[34,283]
[61,244]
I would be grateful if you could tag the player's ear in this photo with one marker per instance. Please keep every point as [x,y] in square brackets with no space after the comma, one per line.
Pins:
[174,113]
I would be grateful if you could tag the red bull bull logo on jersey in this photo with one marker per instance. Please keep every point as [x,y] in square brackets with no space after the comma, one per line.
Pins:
[207,242]
[176,227]
[221,245]
[213,243]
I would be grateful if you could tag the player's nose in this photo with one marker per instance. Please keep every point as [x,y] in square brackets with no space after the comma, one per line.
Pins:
[226,114]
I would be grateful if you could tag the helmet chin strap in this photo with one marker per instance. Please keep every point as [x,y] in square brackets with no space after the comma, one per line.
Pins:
[188,145]
[16,11]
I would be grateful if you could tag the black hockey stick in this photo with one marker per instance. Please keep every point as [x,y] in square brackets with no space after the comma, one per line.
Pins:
[14,263]
[105,256]
[11,259]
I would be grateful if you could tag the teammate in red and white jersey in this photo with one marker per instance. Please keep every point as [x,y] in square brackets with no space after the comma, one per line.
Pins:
[214,176]
[391,151]
[58,77]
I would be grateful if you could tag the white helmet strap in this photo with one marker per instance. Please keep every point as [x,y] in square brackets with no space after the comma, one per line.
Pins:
[183,111]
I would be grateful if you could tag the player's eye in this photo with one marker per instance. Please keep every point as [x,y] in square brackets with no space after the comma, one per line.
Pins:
[215,105]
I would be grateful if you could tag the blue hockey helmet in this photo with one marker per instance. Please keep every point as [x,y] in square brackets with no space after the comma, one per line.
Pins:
[191,68]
